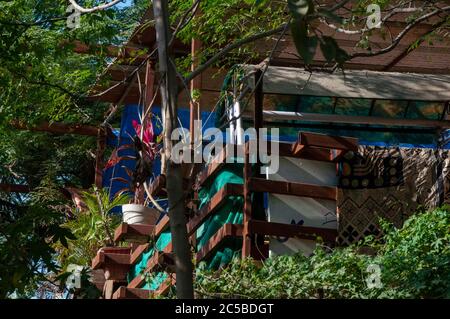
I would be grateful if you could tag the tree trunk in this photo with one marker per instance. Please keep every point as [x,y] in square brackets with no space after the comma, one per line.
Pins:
[174,177]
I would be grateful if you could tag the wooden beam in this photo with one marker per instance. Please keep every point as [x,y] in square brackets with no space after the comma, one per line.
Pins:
[226,231]
[102,258]
[138,293]
[247,242]
[350,119]
[137,232]
[212,168]
[196,84]
[126,52]
[118,255]
[259,101]
[289,230]
[131,293]
[58,128]
[162,225]
[354,84]
[292,150]
[138,252]
[99,157]
[290,188]
[164,288]
[14,188]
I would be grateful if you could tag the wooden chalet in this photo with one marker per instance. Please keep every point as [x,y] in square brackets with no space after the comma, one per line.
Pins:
[331,184]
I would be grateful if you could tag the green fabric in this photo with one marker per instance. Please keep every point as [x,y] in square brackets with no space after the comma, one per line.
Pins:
[156,281]
[230,174]
[230,213]
[163,240]
[221,258]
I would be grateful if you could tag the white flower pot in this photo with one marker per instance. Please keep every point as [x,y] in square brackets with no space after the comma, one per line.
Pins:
[139,214]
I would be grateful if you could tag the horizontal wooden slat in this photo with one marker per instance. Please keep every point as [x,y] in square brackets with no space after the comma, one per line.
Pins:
[102,258]
[226,231]
[294,189]
[135,231]
[14,188]
[138,293]
[328,141]
[288,230]
[213,205]
[354,119]
[131,293]
[290,150]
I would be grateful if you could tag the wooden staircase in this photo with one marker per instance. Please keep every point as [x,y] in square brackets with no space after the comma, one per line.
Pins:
[253,232]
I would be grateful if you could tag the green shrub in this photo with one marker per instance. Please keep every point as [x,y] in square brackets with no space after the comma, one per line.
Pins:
[414,262]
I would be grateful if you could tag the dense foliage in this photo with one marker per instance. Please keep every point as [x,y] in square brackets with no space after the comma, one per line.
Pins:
[92,228]
[42,79]
[414,263]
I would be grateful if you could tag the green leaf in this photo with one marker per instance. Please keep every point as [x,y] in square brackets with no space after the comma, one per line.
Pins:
[306,46]
[330,15]
[300,8]
[331,50]
[328,46]
[341,56]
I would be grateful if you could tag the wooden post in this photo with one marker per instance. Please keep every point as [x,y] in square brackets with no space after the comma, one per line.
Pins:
[258,197]
[246,237]
[259,100]
[99,157]
[253,208]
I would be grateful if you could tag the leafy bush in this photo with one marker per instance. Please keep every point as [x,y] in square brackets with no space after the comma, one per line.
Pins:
[414,262]
[92,229]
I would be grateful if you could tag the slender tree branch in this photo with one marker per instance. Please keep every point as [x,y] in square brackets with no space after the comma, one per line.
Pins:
[104,216]
[30,24]
[185,19]
[42,83]
[398,38]
[97,8]
[231,47]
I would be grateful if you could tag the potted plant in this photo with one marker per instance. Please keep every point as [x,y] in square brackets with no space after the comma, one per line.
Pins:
[139,214]
[145,152]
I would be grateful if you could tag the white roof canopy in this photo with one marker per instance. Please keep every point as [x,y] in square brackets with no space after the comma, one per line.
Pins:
[355,84]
